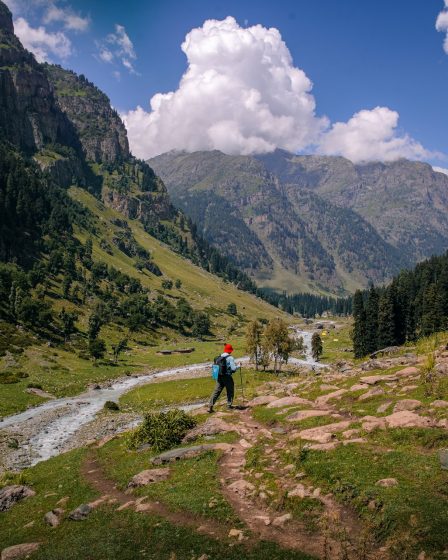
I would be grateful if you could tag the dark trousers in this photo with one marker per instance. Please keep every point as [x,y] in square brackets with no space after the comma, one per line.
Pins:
[224,381]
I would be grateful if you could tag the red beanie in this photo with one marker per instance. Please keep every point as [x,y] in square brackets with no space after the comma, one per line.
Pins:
[228,348]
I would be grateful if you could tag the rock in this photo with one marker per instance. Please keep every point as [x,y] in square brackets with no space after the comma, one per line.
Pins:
[99,501]
[357,387]
[354,440]
[387,482]
[241,487]
[298,492]
[39,393]
[407,404]
[408,372]
[370,423]
[324,446]
[303,414]
[323,434]
[126,505]
[264,518]
[10,495]
[383,407]
[211,427]
[245,444]
[374,392]
[148,476]
[439,404]
[63,501]
[54,517]
[183,453]
[374,379]
[236,534]
[408,388]
[326,387]
[288,401]
[19,551]
[407,419]
[323,399]
[102,442]
[280,521]
[350,433]
[80,513]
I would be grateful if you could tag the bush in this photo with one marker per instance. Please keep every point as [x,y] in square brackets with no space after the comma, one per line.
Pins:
[8,377]
[162,430]
[111,405]
[34,386]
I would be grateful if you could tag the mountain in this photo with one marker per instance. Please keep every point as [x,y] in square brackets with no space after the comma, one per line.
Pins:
[286,235]
[93,255]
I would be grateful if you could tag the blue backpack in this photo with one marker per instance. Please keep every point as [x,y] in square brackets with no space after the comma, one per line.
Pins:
[219,367]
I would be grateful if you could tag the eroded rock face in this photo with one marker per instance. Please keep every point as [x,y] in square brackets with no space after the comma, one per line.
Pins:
[10,495]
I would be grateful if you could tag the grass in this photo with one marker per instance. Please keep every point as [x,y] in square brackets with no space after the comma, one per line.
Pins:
[107,534]
[171,393]
[417,504]
[336,341]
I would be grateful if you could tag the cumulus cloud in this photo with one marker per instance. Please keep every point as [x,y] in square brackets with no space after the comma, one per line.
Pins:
[442,25]
[71,20]
[371,135]
[440,170]
[240,94]
[42,43]
[118,48]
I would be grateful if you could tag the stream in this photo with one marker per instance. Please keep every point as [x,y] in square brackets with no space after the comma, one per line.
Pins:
[48,428]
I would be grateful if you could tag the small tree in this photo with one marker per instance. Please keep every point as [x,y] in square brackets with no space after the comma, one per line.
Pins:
[68,323]
[254,333]
[97,348]
[178,284]
[201,324]
[118,348]
[167,284]
[278,342]
[316,346]
[231,309]
[94,326]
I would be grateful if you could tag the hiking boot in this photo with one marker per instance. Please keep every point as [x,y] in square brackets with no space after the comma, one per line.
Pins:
[210,410]
[230,406]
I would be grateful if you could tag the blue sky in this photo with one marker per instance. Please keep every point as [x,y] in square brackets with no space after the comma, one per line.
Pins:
[358,54]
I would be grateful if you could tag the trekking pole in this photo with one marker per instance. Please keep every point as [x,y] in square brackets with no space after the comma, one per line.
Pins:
[242,389]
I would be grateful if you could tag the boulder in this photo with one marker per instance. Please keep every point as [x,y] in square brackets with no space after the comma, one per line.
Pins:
[387,482]
[323,399]
[149,476]
[324,434]
[280,521]
[99,501]
[80,513]
[304,414]
[357,387]
[407,404]
[183,453]
[289,401]
[10,495]
[324,446]
[374,379]
[439,404]
[370,423]
[408,372]
[19,551]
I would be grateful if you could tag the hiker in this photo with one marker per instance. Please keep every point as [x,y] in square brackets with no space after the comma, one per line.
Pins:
[227,367]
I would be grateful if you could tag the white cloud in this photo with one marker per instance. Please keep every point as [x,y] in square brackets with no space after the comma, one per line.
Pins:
[442,25]
[441,170]
[370,135]
[71,20]
[42,43]
[241,94]
[118,47]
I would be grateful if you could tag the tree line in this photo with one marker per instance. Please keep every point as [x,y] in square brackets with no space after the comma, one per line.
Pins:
[309,305]
[414,304]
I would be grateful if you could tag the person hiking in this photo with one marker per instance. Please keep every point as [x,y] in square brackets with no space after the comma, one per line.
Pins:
[227,367]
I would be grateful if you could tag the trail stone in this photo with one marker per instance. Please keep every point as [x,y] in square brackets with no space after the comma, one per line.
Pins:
[439,404]
[236,534]
[126,505]
[264,518]
[407,419]
[241,487]
[211,427]
[357,387]
[374,379]
[80,513]
[288,401]
[350,433]
[303,414]
[324,446]
[298,492]
[19,551]
[408,372]
[263,399]
[374,392]
[370,423]
[148,476]
[407,404]
[98,502]
[334,395]
[280,521]
[387,482]
[383,407]
[54,517]
[245,444]
[323,434]
[10,495]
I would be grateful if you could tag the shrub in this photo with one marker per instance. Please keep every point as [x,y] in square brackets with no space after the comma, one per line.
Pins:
[111,405]
[34,386]
[161,430]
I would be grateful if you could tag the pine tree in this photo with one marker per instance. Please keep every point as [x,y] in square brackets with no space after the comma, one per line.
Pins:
[371,321]
[359,325]
[316,346]
[386,320]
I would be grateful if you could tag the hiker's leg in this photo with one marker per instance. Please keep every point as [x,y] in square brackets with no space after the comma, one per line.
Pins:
[230,390]
[215,395]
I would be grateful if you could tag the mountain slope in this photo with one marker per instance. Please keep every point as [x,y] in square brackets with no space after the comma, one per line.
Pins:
[288,238]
